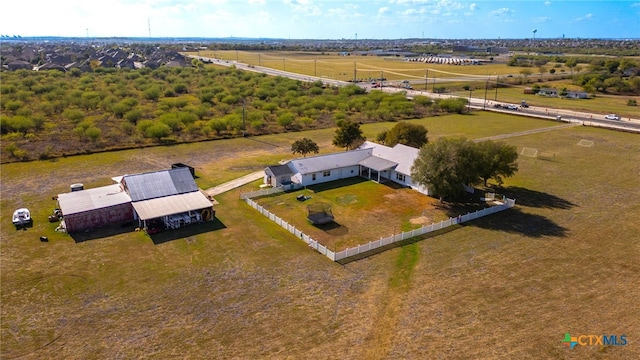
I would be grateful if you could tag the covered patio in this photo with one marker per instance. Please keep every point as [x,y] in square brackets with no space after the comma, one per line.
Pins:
[376,168]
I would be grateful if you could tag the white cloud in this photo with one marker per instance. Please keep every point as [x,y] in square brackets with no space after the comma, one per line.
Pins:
[257,2]
[547,3]
[383,10]
[585,18]
[501,11]
[541,19]
[305,7]
[473,7]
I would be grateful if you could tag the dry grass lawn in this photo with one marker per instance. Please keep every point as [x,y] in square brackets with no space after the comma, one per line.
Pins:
[566,259]
[363,211]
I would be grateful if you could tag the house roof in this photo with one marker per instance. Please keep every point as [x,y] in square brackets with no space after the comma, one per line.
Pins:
[378,164]
[279,170]
[91,199]
[401,154]
[164,206]
[160,183]
[331,161]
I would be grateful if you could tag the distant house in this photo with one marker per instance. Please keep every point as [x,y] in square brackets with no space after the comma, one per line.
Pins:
[166,199]
[372,161]
[548,92]
[577,95]
[19,64]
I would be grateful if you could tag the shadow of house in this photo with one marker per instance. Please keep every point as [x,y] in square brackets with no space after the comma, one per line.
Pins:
[103,232]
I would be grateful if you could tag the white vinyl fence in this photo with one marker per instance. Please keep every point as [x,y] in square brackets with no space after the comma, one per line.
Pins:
[347,253]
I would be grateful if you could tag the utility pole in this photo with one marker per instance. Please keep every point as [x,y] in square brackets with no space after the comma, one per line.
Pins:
[355,74]
[469,103]
[496,98]
[486,85]
[315,68]
[243,117]
[426,79]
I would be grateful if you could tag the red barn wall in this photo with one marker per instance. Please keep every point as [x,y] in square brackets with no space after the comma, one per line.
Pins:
[99,217]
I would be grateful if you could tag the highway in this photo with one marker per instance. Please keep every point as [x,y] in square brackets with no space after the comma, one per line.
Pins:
[584,118]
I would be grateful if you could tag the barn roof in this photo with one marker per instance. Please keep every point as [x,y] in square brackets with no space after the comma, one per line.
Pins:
[91,199]
[159,184]
[164,206]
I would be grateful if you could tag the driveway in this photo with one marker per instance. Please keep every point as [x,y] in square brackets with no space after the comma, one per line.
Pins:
[234,183]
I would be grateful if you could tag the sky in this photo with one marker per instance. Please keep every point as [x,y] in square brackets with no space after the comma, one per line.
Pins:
[323,19]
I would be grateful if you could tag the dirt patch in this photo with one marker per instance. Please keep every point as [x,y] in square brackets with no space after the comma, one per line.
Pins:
[421,220]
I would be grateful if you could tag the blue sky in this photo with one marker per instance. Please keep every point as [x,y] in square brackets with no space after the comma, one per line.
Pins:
[323,19]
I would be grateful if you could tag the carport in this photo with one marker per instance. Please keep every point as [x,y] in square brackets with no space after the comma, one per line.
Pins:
[172,212]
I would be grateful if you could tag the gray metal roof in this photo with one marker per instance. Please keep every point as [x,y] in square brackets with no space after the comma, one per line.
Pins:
[176,204]
[319,163]
[91,199]
[160,183]
[279,170]
[401,154]
[378,164]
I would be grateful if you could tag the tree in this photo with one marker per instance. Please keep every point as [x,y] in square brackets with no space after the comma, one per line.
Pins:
[348,135]
[304,146]
[525,73]
[496,160]
[445,165]
[407,134]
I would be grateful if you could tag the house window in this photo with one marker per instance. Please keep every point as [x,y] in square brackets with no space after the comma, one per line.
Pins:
[326,173]
[400,177]
[313,177]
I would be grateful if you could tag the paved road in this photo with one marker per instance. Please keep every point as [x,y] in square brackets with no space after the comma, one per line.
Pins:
[217,190]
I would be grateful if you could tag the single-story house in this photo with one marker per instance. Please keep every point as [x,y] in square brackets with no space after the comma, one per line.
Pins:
[577,95]
[165,199]
[548,92]
[372,161]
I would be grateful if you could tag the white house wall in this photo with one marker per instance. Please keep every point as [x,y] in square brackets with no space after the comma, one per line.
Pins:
[335,174]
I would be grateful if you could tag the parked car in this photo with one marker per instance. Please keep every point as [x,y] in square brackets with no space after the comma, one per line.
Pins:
[512,107]
[612,117]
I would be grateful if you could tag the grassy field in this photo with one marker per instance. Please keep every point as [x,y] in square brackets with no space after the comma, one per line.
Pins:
[338,67]
[506,286]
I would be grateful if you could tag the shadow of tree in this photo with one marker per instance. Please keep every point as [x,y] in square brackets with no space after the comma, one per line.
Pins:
[535,199]
[184,232]
[515,221]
